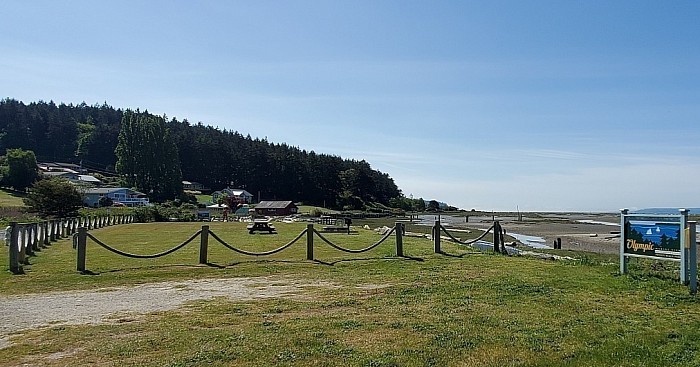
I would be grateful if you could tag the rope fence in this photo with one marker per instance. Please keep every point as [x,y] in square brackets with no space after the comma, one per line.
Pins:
[26,239]
[351,250]
[498,237]
[264,253]
[136,256]
[205,233]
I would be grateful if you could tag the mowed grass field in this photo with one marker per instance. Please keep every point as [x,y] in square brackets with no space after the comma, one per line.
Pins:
[9,198]
[462,309]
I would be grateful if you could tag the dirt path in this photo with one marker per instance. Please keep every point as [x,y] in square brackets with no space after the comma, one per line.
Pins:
[32,311]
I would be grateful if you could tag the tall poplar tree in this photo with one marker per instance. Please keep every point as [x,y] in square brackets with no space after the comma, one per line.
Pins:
[147,156]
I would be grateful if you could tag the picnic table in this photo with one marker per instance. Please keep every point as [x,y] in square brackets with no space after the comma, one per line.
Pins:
[260,226]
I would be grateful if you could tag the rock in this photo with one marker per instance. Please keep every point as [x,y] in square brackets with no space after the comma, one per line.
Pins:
[383,230]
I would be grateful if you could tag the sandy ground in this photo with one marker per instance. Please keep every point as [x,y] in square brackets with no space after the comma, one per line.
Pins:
[574,235]
[35,311]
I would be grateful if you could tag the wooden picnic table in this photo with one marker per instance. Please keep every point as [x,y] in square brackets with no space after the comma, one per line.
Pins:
[260,226]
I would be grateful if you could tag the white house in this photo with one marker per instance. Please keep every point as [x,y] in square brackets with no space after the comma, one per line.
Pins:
[128,197]
[240,194]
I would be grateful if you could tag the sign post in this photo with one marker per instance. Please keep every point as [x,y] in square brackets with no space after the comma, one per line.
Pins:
[660,237]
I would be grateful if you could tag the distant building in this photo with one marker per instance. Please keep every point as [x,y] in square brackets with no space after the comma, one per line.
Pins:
[74,177]
[240,195]
[194,187]
[61,167]
[276,208]
[128,197]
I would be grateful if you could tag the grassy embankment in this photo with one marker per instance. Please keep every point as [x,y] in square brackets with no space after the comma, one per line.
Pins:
[8,198]
[477,309]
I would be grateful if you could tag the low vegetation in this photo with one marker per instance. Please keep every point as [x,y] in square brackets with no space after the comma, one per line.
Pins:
[9,198]
[470,308]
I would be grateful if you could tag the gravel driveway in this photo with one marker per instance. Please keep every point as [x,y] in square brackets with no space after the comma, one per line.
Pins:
[32,311]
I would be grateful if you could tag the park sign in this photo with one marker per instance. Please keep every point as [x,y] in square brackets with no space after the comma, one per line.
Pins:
[653,238]
[661,237]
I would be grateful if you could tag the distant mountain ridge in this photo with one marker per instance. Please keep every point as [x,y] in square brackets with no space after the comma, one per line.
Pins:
[665,211]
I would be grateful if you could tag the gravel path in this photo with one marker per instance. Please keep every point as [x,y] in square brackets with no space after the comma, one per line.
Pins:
[32,311]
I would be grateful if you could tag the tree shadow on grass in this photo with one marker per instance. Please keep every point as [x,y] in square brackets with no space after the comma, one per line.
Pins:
[331,263]
[153,267]
[460,255]
[244,262]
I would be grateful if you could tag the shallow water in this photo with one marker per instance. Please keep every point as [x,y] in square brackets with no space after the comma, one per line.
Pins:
[532,241]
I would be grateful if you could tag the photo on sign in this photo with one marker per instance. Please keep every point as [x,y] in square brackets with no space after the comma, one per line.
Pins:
[652,237]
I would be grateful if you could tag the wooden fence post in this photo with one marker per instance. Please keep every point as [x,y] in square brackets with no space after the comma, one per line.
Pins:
[62,228]
[27,241]
[204,245]
[496,236]
[35,237]
[22,235]
[310,241]
[436,237]
[45,229]
[15,265]
[82,247]
[399,239]
[49,231]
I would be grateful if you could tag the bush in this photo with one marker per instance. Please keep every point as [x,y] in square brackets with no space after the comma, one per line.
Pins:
[165,213]
[144,214]
[54,197]
[105,201]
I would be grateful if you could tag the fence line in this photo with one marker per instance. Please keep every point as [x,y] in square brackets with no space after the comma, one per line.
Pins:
[498,237]
[351,250]
[137,256]
[25,239]
[470,242]
[264,253]
[204,233]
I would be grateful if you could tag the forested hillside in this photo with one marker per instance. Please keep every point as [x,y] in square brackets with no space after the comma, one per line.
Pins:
[216,158]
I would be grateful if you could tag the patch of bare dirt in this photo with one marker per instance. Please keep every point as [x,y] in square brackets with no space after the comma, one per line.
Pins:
[32,311]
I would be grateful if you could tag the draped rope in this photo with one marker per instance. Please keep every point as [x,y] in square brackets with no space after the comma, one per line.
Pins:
[119,252]
[264,253]
[470,242]
[354,251]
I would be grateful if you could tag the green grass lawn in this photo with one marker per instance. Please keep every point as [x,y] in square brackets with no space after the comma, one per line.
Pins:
[10,198]
[468,309]
[204,199]
[308,209]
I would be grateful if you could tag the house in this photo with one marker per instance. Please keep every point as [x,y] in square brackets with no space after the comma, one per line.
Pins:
[276,208]
[193,187]
[89,179]
[60,167]
[74,177]
[240,194]
[128,197]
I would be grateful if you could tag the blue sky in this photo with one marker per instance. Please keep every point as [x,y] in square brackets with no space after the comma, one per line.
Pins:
[539,105]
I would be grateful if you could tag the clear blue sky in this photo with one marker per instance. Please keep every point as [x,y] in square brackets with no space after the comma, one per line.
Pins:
[540,105]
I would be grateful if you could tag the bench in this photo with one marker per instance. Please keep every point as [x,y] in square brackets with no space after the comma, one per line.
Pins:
[260,227]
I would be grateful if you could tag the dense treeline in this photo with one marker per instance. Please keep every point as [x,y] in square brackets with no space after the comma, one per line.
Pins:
[216,158]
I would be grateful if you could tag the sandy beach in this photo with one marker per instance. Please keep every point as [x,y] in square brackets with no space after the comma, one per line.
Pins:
[574,234]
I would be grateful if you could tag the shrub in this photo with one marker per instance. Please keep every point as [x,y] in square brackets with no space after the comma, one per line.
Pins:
[54,197]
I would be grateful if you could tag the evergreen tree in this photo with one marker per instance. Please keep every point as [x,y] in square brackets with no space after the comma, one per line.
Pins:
[54,197]
[100,135]
[21,171]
